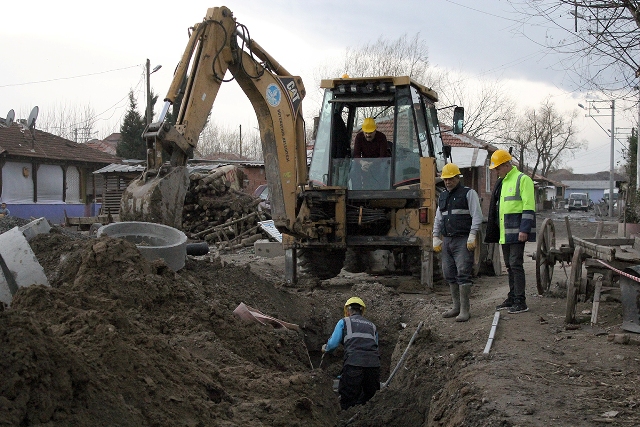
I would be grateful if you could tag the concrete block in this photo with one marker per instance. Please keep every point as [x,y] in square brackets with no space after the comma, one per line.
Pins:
[19,264]
[35,227]
[267,249]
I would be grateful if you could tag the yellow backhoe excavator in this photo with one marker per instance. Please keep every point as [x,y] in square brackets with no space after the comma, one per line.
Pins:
[363,214]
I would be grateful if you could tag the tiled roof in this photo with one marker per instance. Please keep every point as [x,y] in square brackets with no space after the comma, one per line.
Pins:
[462,139]
[103,146]
[15,141]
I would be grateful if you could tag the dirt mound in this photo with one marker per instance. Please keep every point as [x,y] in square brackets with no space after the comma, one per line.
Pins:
[116,340]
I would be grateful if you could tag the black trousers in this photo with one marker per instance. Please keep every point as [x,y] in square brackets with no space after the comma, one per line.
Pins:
[357,385]
[513,255]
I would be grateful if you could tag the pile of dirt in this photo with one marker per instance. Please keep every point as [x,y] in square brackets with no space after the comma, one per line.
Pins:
[117,340]
[9,222]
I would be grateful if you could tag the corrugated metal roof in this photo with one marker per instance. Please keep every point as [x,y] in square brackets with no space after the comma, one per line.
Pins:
[586,185]
[121,168]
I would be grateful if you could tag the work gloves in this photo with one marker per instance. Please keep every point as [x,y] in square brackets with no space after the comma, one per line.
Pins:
[324,348]
[437,244]
[471,242]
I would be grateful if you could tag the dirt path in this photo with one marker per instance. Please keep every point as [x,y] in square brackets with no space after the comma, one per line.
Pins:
[119,341]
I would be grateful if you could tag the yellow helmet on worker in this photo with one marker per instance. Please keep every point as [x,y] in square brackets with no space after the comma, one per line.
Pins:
[499,157]
[450,170]
[369,125]
[353,301]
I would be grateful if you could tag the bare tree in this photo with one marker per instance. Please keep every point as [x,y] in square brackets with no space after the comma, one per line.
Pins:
[599,40]
[223,139]
[404,56]
[543,138]
[71,122]
[487,105]
[517,133]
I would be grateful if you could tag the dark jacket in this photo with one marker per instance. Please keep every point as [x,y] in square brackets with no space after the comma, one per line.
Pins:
[493,225]
[454,207]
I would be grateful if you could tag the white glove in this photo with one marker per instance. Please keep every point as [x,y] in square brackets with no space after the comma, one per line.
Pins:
[437,244]
[471,242]
[365,165]
[324,348]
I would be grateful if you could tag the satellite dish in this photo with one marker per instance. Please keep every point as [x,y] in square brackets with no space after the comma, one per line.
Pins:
[11,115]
[31,121]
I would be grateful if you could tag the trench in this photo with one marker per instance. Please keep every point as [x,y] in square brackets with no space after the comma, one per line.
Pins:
[420,384]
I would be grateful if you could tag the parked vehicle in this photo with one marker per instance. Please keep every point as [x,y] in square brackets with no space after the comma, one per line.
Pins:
[579,201]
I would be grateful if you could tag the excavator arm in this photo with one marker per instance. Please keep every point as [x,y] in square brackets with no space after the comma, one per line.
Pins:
[216,45]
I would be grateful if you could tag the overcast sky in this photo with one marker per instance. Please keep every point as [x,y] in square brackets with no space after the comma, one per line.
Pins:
[77,54]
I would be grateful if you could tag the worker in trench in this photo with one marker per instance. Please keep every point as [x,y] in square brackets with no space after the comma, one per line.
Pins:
[360,378]
[458,219]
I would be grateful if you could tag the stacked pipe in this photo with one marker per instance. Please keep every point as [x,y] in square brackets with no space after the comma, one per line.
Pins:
[215,210]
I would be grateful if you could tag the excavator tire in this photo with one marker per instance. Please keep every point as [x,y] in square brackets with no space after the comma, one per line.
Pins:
[356,260]
[320,263]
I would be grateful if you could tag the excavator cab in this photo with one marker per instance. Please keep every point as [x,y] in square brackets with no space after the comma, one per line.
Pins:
[376,212]
[405,113]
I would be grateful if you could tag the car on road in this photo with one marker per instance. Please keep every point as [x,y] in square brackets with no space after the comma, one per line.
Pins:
[579,201]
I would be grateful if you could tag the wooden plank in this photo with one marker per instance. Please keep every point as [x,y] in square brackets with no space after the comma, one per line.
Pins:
[599,230]
[605,253]
[628,256]
[607,241]
[596,298]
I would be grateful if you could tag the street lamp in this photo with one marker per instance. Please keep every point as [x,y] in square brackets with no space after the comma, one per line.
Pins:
[149,112]
[611,133]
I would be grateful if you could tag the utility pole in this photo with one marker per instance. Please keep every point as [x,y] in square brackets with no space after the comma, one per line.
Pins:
[610,132]
[148,93]
[638,145]
[611,177]
[149,113]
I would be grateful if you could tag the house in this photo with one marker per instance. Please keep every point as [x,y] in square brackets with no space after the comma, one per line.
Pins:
[593,184]
[107,145]
[44,175]
[473,156]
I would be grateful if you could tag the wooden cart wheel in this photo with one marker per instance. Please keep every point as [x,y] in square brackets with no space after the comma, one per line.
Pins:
[545,260]
[573,284]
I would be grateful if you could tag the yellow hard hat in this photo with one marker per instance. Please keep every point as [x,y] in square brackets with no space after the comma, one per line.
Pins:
[369,125]
[499,157]
[354,300]
[345,76]
[450,170]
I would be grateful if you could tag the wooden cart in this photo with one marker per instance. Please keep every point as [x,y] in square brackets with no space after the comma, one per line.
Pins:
[618,253]
[547,255]
[602,259]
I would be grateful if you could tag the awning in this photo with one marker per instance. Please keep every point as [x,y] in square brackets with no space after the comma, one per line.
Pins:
[466,157]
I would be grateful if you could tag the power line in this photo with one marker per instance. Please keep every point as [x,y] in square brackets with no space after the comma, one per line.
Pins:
[69,78]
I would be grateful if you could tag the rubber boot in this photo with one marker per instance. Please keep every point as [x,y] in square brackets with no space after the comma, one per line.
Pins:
[455,295]
[465,291]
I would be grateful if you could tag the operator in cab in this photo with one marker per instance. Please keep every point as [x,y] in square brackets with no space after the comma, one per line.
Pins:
[370,142]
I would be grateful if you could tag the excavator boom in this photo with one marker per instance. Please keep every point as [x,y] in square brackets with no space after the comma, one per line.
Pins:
[216,45]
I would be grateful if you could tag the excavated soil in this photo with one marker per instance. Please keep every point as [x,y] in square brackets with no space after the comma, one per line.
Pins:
[118,341]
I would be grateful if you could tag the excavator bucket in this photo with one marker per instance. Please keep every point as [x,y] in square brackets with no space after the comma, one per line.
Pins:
[158,199]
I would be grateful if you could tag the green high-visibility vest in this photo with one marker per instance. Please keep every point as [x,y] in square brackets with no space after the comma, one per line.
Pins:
[517,207]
